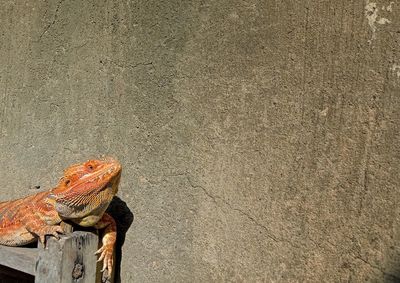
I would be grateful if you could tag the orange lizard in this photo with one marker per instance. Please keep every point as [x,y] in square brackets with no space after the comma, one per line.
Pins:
[82,196]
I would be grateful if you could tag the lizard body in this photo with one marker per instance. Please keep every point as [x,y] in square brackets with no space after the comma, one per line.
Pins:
[82,196]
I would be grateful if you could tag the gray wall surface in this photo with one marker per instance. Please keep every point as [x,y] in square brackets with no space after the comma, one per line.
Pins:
[259,139]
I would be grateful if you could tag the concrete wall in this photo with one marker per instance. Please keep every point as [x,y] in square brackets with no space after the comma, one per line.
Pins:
[260,139]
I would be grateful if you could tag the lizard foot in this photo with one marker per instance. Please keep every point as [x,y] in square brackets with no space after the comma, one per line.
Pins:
[49,230]
[106,254]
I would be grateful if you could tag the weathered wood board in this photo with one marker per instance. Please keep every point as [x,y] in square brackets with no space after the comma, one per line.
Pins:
[70,259]
[19,258]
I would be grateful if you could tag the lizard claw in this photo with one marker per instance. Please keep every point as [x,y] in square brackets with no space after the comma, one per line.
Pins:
[49,230]
[42,239]
[106,255]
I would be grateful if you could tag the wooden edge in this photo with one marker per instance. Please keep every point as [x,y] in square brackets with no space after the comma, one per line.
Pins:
[19,258]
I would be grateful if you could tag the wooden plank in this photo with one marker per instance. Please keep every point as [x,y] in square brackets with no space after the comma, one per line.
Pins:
[20,258]
[70,259]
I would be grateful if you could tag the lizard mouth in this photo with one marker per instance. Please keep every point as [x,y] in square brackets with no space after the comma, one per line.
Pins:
[112,184]
[90,196]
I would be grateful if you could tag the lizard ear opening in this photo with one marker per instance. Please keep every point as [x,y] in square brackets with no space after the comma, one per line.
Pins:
[64,181]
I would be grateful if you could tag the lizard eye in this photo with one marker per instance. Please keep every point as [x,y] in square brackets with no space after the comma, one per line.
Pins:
[67,182]
[90,167]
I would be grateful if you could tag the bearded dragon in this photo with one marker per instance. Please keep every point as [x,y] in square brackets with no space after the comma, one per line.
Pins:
[81,196]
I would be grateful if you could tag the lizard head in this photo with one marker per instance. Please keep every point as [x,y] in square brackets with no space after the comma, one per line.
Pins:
[86,188]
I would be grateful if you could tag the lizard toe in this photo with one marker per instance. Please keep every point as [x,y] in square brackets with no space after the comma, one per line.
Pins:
[55,235]
[59,229]
[42,239]
[107,257]
[48,230]
[110,265]
[99,250]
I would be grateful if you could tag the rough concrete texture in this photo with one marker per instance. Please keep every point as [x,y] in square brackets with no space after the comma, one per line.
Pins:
[260,139]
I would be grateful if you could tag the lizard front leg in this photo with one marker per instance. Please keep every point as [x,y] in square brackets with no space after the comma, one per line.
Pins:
[35,225]
[108,241]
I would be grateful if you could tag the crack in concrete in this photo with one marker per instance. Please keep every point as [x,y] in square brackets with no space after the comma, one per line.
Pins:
[370,130]
[357,257]
[380,269]
[47,28]
[77,47]
[243,213]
